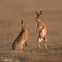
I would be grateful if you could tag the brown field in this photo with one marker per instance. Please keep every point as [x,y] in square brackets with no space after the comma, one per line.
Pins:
[11,12]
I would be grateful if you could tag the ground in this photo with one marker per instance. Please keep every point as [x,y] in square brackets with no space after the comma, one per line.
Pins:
[11,12]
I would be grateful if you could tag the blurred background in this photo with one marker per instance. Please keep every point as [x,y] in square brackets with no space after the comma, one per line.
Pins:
[12,11]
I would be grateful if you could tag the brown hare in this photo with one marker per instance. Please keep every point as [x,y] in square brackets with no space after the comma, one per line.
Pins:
[21,38]
[41,28]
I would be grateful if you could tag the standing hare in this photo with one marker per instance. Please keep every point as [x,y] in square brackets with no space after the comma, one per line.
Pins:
[21,38]
[41,29]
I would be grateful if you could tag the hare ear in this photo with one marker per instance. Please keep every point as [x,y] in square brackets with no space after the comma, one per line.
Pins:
[37,13]
[21,21]
[40,12]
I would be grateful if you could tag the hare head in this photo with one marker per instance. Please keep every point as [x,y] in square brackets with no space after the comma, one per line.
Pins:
[38,14]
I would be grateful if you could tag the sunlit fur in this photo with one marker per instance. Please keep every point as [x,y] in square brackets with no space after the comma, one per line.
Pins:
[21,38]
[41,28]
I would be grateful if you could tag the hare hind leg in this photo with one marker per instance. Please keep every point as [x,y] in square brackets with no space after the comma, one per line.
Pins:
[45,39]
[39,40]
[19,47]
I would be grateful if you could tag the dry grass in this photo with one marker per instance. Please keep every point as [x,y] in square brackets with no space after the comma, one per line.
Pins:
[10,14]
